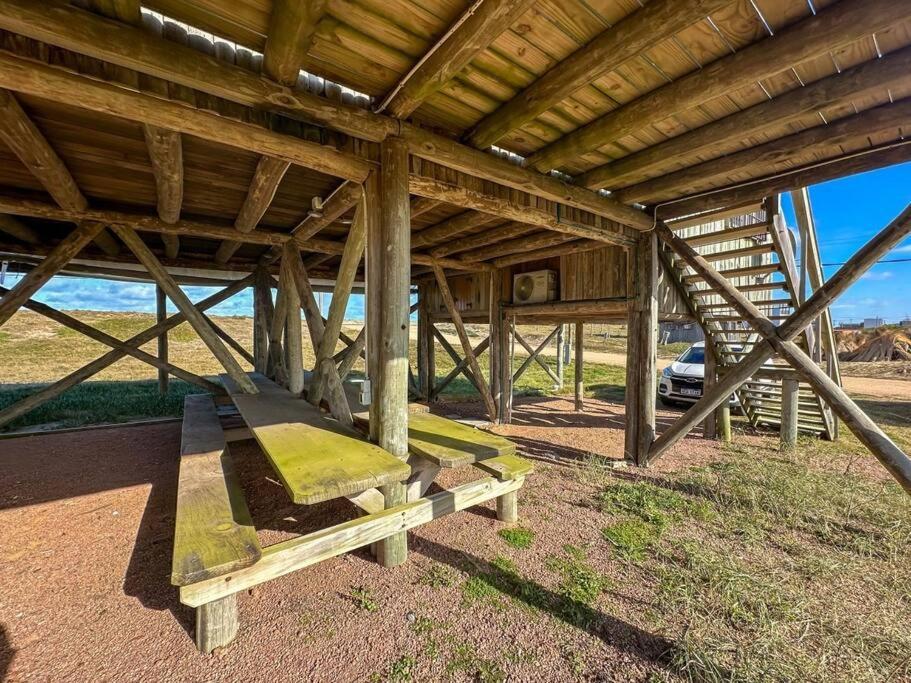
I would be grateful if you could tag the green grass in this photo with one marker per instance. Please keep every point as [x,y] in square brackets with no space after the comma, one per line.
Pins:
[580,583]
[438,576]
[632,537]
[363,599]
[517,537]
[101,402]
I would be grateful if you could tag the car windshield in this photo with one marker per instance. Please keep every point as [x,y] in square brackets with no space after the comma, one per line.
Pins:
[694,354]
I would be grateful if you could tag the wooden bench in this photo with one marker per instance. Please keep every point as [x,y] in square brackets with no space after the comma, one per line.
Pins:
[213,532]
[316,458]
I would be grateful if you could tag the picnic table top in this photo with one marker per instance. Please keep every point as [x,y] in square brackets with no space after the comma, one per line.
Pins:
[316,458]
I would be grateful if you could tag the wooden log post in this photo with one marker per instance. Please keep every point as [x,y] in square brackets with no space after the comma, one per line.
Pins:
[641,370]
[710,377]
[262,319]
[579,365]
[790,391]
[496,339]
[395,279]
[561,341]
[507,327]
[161,314]
[425,351]
[216,623]
[294,352]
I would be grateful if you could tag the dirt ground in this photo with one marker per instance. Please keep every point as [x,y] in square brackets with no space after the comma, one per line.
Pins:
[87,521]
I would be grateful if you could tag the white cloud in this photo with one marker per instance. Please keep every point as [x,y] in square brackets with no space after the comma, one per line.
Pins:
[878,276]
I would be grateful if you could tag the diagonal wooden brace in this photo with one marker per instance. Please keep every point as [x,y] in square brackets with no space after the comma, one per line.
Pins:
[779,339]
[533,355]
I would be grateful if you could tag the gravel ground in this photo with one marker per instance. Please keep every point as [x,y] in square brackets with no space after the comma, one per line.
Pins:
[86,520]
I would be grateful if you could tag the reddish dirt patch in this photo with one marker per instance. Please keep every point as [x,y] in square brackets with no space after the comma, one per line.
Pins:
[87,521]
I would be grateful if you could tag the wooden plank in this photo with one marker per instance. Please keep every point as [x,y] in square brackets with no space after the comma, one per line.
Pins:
[122,10]
[449,228]
[304,551]
[53,263]
[507,467]
[184,305]
[213,532]
[828,29]
[292,25]
[614,47]
[315,458]
[475,30]
[448,443]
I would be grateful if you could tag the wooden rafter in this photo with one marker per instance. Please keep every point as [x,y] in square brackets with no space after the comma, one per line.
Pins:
[473,33]
[127,11]
[838,90]
[166,155]
[612,48]
[263,186]
[821,33]
[292,25]
[18,229]
[451,227]
[486,238]
[81,32]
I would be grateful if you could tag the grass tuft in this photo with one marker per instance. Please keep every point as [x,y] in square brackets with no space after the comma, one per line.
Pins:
[520,538]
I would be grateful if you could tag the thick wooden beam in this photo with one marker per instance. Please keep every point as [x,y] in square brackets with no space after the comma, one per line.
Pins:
[652,24]
[185,306]
[812,174]
[263,186]
[294,361]
[45,394]
[449,228]
[830,28]
[292,25]
[838,90]
[474,31]
[135,49]
[486,238]
[166,155]
[48,82]
[481,200]
[394,281]
[262,319]
[52,264]
[127,11]
[561,249]
[828,139]
[19,230]
[465,341]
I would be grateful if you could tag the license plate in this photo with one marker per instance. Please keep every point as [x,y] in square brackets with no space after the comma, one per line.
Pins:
[691,392]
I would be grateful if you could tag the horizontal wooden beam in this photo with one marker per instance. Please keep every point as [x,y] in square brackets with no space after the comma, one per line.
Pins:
[19,230]
[869,160]
[134,48]
[850,132]
[574,247]
[57,85]
[856,83]
[488,203]
[304,551]
[292,26]
[450,228]
[830,28]
[643,29]
[471,35]
[483,239]
[541,240]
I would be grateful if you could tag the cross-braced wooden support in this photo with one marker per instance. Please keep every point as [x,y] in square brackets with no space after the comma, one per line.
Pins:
[534,355]
[779,340]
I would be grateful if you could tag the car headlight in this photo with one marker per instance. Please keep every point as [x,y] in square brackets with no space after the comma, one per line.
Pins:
[666,372]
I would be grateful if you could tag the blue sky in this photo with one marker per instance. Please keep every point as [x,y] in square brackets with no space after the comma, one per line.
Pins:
[848,212]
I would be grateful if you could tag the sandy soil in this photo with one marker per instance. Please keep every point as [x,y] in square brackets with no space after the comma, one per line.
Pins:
[87,522]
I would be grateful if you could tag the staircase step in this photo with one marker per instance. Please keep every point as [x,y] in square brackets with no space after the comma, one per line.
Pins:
[734,318]
[742,252]
[767,269]
[728,235]
[759,304]
[756,287]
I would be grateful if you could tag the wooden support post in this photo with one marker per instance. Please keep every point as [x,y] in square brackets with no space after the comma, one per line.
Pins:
[508,335]
[425,350]
[52,264]
[508,507]
[561,342]
[790,390]
[710,377]
[579,365]
[395,277]
[262,319]
[465,341]
[185,306]
[496,339]
[293,343]
[641,372]
[216,623]
[276,365]
[161,314]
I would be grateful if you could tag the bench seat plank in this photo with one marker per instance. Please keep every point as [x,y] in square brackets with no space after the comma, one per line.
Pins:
[506,467]
[316,458]
[448,443]
[213,532]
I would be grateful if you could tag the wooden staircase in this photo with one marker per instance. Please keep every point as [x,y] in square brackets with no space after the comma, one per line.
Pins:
[755,251]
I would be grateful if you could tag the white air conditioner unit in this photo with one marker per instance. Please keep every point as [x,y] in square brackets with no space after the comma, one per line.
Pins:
[534,287]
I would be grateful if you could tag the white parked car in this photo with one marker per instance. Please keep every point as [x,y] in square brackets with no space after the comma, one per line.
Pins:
[682,380]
